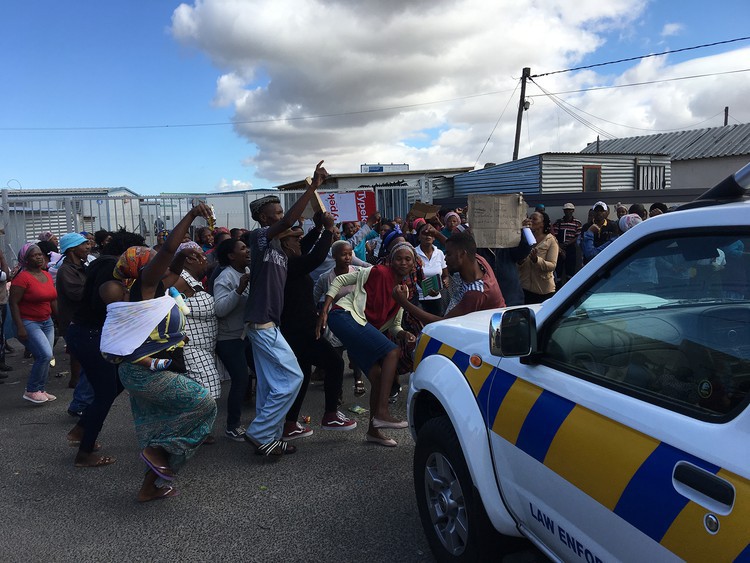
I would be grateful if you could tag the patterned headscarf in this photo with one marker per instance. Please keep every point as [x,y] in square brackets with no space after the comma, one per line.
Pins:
[629,221]
[46,235]
[401,246]
[131,262]
[189,244]
[23,254]
[452,214]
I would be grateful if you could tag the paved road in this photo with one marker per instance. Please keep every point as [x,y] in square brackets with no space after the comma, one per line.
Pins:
[337,499]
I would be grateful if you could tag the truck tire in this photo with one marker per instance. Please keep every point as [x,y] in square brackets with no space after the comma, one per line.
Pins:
[452,513]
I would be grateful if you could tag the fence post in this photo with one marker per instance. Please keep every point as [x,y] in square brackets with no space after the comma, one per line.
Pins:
[70,220]
[246,209]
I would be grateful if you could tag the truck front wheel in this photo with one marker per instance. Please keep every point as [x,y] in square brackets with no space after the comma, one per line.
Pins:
[452,514]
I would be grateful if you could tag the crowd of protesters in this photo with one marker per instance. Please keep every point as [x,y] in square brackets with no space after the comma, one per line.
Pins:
[170,323]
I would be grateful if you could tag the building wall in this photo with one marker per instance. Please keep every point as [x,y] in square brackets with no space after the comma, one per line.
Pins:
[705,172]
[509,178]
[563,173]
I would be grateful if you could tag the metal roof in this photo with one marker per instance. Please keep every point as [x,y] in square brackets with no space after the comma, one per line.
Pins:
[729,140]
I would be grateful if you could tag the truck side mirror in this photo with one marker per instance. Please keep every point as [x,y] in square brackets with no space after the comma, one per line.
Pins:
[513,333]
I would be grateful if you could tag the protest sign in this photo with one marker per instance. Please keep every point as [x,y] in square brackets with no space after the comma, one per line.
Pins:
[349,206]
[496,219]
[424,210]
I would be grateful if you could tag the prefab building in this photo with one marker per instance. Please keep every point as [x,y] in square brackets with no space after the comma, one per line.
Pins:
[568,173]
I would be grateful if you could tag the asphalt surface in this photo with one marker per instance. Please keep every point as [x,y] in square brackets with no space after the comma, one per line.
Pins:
[337,499]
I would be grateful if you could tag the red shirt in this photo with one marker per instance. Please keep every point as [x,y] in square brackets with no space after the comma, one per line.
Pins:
[35,305]
[479,295]
[380,306]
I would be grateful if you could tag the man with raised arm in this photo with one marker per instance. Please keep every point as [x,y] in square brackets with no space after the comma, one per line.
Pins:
[277,369]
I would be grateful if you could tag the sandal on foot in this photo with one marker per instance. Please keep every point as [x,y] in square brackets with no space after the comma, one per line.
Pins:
[359,388]
[387,442]
[397,424]
[100,462]
[163,471]
[77,443]
[162,492]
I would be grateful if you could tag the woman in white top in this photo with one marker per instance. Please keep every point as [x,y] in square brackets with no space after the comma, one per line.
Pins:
[433,264]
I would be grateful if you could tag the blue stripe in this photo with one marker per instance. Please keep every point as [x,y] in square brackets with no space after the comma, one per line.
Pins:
[461,360]
[650,502]
[542,423]
[432,347]
[744,557]
[493,393]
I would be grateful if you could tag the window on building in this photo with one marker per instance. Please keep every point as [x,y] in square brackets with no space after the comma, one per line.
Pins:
[592,178]
[651,177]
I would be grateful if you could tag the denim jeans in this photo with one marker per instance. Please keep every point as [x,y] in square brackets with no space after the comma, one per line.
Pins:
[83,395]
[279,381]
[232,355]
[40,342]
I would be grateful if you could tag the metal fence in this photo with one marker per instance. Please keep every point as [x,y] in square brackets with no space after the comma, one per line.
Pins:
[24,218]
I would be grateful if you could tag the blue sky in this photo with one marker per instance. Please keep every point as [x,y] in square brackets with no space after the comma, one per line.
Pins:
[125,70]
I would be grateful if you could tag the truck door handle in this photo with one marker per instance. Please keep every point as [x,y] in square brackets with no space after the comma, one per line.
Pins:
[703,487]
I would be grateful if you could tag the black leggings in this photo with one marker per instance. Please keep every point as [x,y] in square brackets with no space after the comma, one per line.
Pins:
[311,352]
[102,375]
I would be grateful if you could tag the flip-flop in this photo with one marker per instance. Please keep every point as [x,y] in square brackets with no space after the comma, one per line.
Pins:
[100,462]
[164,492]
[164,472]
[387,442]
[77,443]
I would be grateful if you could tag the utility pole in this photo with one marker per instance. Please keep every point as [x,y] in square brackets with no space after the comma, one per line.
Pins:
[726,116]
[525,74]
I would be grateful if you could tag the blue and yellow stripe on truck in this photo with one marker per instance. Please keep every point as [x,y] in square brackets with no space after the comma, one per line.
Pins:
[626,471]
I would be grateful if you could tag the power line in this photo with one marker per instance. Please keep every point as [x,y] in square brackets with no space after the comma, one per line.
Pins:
[357,112]
[253,121]
[575,116]
[630,126]
[643,56]
[614,86]
[496,123]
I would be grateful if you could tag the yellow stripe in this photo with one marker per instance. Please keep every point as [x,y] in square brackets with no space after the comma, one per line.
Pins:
[514,408]
[421,345]
[687,536]
[598,455]
[477,376]
[446,351]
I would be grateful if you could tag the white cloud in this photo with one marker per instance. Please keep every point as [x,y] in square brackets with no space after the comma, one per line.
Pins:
[284,61]
[670,29]
[225,185]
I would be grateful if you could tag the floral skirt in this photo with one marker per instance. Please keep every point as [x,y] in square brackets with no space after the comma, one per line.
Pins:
[170,410]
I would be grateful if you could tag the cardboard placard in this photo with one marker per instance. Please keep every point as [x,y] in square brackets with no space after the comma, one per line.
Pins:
[316,204]
[496,219]
[424,210]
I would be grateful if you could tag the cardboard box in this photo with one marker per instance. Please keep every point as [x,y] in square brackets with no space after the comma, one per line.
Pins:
[496,219]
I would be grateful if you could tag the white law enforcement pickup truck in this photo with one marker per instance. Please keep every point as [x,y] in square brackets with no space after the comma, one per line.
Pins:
[611,423]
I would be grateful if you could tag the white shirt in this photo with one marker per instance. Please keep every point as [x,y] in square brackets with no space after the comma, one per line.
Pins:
[430,267]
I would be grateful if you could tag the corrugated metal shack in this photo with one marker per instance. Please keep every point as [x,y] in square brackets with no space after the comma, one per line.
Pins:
[557,173]
[700,157]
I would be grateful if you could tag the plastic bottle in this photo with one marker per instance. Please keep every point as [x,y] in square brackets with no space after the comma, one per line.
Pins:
[177,296]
